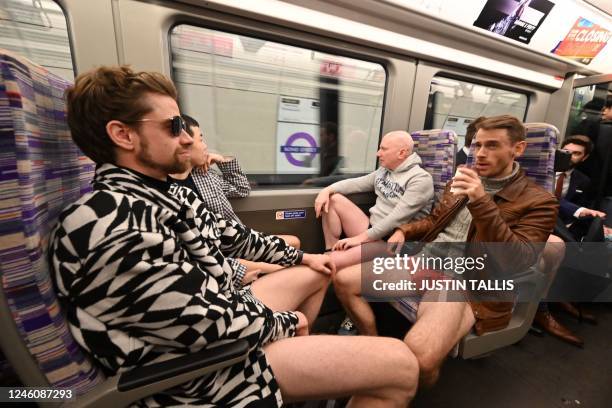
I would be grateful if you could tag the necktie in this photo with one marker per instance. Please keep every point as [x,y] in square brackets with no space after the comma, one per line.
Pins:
[559,185]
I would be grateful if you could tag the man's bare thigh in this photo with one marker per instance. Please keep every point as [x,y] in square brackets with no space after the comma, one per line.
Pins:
[332,366]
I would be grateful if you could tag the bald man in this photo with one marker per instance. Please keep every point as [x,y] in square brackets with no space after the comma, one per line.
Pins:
[404,191]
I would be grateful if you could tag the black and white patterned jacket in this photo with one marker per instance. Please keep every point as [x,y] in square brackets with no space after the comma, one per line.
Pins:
[142,275]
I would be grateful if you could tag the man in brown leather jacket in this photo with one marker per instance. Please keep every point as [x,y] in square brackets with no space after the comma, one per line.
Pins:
[491,202]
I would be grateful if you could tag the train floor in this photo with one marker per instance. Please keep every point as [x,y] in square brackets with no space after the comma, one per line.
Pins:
[540,371]
[536,372]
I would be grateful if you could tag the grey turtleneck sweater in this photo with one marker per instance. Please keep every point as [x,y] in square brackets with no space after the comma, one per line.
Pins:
[457,229]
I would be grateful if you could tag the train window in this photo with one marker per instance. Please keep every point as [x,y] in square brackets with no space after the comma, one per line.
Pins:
[289,114]
[453,104]
[37,29]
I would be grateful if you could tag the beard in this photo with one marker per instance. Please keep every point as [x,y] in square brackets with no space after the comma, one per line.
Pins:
[178,165]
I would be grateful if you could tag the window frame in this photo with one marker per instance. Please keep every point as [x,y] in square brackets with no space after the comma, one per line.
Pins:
[232,24]
[62,6]
[474,81]
[68,18]
[538,96]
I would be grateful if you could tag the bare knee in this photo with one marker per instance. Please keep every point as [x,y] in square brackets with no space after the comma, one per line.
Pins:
[408,372]
[429,369]
[428,360]
[292,240]
[405,377]
[553,254]
[316,280]
[345,281]
[555,247]
[337,199]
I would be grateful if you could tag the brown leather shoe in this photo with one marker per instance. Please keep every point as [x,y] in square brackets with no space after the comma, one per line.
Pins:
[547,322]
[578,312]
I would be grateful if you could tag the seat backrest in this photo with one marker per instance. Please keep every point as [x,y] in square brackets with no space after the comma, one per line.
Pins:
[437,149]
[41,171]
[538,160]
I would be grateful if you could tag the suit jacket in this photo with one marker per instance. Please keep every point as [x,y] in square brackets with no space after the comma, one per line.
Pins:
[576,196]
[521,215]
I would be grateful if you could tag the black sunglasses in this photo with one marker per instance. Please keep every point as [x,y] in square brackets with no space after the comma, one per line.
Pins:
[177,124]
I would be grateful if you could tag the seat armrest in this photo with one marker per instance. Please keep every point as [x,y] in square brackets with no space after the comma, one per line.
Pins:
[154,373]
[123,389]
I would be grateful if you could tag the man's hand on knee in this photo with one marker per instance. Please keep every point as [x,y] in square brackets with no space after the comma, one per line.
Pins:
[321,263]
[347,243]
[396,241]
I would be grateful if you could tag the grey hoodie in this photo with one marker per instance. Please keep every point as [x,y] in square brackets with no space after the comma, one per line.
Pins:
[402,194]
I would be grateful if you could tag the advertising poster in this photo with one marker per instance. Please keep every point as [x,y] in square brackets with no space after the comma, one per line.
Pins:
[583,42]
[297,136]
[516,19]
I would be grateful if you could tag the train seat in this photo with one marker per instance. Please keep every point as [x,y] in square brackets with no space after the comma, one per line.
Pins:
[42,171]
[437,149]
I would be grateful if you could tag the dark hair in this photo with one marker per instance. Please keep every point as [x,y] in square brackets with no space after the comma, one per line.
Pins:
[514,127]
[110,93]
[471,130]
[608,104]
[579,140]
[594,106]
[189,123]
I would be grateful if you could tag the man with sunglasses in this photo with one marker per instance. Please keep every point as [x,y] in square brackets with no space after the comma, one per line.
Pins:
[141,270]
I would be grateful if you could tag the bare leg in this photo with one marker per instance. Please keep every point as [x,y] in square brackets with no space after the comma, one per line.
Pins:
[347,284]
[439,326]
[345,216]
[342,259]
[377,371]
[296,288]
[358,254]
[551,258]
[291,240]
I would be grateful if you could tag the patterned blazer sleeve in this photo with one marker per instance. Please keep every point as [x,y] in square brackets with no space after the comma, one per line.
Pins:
[239,272]
[234,182]
[145,285]
[134,282]
[239,241]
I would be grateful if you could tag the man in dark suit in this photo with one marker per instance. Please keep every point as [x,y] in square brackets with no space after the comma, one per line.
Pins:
[571,186]
[461,157]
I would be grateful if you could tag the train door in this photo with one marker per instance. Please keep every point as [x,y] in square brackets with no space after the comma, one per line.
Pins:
[591,115]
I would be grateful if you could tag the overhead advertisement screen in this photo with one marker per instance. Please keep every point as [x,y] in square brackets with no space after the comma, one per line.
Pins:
[516,19]
[583,42]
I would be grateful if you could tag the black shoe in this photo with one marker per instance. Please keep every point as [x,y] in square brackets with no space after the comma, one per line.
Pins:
[347,328]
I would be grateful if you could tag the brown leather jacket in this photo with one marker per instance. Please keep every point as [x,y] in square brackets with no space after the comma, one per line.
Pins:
[520,214]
